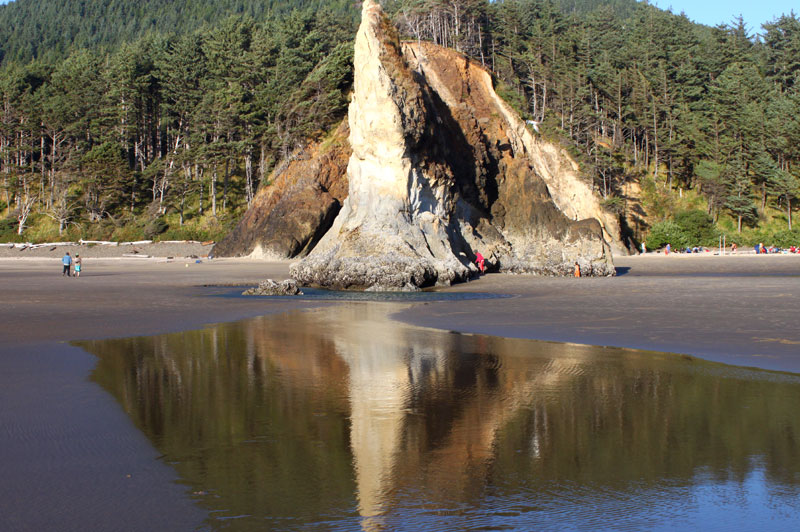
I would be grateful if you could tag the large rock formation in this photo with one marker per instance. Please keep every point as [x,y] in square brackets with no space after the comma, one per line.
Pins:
[290,216]
[467,90]
[441,169]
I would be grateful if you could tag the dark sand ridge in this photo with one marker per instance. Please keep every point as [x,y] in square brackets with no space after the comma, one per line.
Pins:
[72,460]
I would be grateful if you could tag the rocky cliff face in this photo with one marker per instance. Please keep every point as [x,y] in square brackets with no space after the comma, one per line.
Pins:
[441,169]
[290,216]
[467,90]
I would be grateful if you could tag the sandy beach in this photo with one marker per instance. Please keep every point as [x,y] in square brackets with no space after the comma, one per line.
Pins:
[108,250]
[734,309]
[739,310]
[72,459]
[67,444]
[127,297]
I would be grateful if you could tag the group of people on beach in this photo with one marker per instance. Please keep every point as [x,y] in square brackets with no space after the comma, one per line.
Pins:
[67,262]
[758,248]
[688,249]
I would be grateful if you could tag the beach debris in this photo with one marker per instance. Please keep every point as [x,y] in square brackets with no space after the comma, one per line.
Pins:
[269,287]
[207,243]
[136,255]
[98,242]
[53,244]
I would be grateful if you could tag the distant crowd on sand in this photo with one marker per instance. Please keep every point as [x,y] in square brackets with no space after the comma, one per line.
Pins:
[758,248]
[67,261]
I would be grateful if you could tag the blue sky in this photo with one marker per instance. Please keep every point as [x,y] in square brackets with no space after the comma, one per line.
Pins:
[713,12]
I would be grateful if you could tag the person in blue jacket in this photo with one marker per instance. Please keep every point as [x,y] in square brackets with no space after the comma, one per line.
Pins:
[67,262]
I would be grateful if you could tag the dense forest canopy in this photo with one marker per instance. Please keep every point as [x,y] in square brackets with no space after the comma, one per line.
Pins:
[141,116]
[33,29]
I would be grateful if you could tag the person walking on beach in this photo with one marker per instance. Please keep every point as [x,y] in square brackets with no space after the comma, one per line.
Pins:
[667,249]
[577,270]
[77,265]
[66,260]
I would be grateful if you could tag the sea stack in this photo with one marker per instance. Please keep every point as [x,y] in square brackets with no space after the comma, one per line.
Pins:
[437,174]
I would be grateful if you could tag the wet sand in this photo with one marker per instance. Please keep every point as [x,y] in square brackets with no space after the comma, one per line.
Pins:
[739,310]
[126,297]
[72,460]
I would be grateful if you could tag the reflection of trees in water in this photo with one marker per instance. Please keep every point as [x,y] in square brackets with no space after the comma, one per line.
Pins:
[646,417]
[258,436]
[305,414]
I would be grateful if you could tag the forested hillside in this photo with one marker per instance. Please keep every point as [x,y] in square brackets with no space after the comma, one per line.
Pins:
[168,119]
[33,29]
[167,128]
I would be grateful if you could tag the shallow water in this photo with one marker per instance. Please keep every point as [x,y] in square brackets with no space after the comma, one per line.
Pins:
[341,419]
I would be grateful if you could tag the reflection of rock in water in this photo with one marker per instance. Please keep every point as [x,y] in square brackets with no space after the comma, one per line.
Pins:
[379,387]
[306,416]
[397,376]
[415,407]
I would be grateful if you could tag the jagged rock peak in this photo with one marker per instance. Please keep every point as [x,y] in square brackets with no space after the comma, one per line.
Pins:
[435,177]
[394,230]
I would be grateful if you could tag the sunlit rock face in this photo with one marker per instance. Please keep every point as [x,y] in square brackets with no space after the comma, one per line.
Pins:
[441,169]
[394,230]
